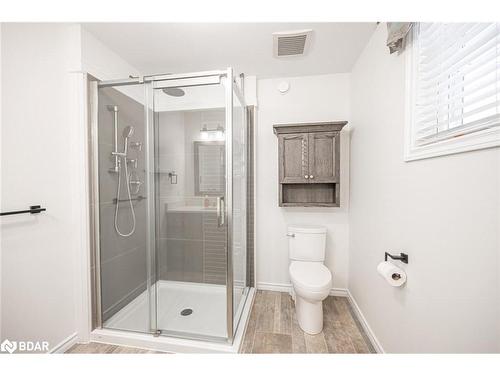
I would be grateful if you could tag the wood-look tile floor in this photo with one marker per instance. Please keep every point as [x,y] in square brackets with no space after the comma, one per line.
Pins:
[273,328]
[98,348]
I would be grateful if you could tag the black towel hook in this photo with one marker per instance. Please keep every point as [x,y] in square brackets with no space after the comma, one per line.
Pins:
[402,257]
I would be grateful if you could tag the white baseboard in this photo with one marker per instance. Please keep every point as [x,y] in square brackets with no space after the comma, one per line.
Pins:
[338,292]
[275,287]
[65,344]
[279,287]
[366,327]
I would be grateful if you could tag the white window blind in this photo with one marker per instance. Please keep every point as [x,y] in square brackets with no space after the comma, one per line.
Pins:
[456,81]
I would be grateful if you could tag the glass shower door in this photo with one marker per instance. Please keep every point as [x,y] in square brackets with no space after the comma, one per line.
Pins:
[172,203]
[191,226]
[121,202]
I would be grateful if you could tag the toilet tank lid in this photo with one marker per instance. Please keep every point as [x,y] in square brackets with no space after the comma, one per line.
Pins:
[304,228]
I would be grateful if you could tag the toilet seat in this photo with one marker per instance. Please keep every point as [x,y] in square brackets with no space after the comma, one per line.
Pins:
[310,276]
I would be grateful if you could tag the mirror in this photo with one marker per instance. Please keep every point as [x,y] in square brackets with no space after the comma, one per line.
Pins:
[209,168]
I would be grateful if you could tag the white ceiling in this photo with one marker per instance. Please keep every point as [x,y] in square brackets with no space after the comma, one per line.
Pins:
[247,47]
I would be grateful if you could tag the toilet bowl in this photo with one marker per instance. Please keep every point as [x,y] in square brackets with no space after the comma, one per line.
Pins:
[311,279]
[311,282]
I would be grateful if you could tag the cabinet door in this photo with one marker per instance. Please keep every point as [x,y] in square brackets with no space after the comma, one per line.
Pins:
[323,157]
[293,158]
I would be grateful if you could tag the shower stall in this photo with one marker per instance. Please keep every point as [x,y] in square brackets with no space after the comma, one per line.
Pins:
[172,205]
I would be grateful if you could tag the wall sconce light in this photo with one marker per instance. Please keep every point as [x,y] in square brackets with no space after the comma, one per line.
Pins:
[212,133]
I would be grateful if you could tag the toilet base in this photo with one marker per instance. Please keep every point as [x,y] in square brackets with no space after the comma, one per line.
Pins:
[309,315]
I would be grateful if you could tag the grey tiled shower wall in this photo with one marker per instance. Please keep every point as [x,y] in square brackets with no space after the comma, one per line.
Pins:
[122,259]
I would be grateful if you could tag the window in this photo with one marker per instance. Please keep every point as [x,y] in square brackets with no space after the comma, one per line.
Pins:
[453,88]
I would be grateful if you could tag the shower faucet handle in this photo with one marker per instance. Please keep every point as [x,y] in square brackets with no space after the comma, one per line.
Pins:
[136,145]
[221,211]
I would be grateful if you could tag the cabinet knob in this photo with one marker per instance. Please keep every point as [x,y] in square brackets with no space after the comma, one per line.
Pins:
[306,176]
[311,176]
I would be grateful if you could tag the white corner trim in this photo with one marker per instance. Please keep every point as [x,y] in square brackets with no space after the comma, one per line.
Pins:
[81,204]
[366,327]
[244,319]
[287,288]
[65,344]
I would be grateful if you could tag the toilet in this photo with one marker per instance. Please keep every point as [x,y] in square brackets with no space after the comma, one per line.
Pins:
[311,279]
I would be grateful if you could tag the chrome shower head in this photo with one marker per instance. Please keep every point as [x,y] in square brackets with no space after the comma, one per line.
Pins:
[128,132]
[174,91]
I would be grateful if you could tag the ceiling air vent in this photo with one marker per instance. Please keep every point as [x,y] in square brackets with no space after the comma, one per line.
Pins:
[291,43]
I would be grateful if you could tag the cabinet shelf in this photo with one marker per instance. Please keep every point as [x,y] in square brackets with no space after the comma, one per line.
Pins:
[308,195]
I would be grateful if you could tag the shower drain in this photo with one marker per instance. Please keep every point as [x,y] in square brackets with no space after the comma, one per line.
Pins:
[186,312]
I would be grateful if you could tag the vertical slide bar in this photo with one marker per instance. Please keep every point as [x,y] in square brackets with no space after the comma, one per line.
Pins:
[151,219]
[229,201]
[94,216]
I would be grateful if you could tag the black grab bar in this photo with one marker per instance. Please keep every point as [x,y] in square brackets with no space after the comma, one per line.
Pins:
[33,210]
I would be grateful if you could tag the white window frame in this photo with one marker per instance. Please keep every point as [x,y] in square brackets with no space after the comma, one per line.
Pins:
[468,142]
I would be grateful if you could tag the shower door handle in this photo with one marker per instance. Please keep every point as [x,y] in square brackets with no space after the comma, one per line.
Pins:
[221,208]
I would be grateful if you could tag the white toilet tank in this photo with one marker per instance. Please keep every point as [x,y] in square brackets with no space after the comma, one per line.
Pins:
[307,243]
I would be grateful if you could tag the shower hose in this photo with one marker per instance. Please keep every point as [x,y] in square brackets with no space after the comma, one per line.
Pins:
[125,169]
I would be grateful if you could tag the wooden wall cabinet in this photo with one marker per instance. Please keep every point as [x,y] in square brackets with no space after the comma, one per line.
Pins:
[309,164]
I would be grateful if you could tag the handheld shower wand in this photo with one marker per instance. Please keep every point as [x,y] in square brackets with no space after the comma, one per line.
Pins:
[127,133]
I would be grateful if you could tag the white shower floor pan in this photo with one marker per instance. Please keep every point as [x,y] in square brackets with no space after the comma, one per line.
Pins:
[208,303]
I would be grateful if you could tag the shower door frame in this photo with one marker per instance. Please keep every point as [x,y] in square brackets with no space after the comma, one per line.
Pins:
[175,80]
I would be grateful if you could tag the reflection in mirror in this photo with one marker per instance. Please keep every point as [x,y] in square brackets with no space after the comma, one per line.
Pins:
[209,168]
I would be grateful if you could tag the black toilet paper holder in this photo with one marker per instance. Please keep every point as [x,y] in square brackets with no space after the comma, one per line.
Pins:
[402,257]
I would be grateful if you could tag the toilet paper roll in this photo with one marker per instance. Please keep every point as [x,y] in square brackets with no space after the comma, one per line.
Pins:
[394,275]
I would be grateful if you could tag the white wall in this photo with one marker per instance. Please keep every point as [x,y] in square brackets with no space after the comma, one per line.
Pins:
[443,212]
[1,206]
[38,252]
[104,64]
[43,291]
[310,99]
[101,62]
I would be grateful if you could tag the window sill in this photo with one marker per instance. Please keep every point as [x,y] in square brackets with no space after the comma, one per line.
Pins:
[475,141]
